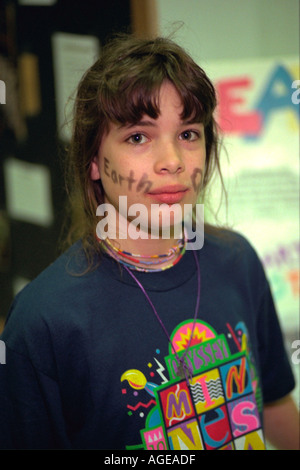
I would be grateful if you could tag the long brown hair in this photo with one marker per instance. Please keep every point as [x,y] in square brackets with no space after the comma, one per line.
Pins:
[121,87]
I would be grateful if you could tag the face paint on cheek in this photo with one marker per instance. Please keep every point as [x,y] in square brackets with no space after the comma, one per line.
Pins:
[131,180]
[106,166]
[196,178]
[114,176]
[143,184]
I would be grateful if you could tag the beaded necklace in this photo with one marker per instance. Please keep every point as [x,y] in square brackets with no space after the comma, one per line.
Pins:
[152,263]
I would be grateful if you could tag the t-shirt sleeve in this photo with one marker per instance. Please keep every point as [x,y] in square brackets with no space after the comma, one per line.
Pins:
[276,372]
[277,379]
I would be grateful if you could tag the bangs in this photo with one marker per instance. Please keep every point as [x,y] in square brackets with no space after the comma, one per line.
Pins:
[129,105]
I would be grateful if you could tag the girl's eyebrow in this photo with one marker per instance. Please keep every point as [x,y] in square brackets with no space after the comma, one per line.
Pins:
[191,121]
[153,123]
[142,123]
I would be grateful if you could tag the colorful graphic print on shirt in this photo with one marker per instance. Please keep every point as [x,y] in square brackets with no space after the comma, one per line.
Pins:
[219,409]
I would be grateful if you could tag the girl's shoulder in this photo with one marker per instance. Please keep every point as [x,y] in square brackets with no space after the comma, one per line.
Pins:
[232,249]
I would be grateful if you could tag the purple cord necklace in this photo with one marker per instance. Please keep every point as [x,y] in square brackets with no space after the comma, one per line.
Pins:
[183,367]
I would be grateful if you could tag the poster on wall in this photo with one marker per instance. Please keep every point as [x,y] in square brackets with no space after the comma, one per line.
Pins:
[258,113]
[73,54]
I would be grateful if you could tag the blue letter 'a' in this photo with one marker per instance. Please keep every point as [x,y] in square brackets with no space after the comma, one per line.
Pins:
[277,94]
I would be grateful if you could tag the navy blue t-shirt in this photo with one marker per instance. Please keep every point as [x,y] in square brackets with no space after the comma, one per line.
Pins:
[88,366]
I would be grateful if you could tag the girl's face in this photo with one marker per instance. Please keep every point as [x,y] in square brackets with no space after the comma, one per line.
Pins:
[155,161]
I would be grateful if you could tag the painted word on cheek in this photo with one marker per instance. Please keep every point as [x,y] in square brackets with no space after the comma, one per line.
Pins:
[143,184]
[195,179]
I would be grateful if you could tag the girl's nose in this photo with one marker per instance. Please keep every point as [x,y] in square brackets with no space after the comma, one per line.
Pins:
[169,159]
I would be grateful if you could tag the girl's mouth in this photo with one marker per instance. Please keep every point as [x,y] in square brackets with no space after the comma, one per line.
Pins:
[171,194]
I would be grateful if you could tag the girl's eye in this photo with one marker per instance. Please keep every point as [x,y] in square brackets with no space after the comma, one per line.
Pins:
[189,135]
[137,139]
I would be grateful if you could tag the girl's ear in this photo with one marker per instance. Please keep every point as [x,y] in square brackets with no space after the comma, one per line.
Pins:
[94,169]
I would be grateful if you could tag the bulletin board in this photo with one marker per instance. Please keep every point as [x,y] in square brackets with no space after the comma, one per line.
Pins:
[258,113]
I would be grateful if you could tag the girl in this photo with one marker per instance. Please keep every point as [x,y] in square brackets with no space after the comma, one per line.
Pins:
[136,338]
